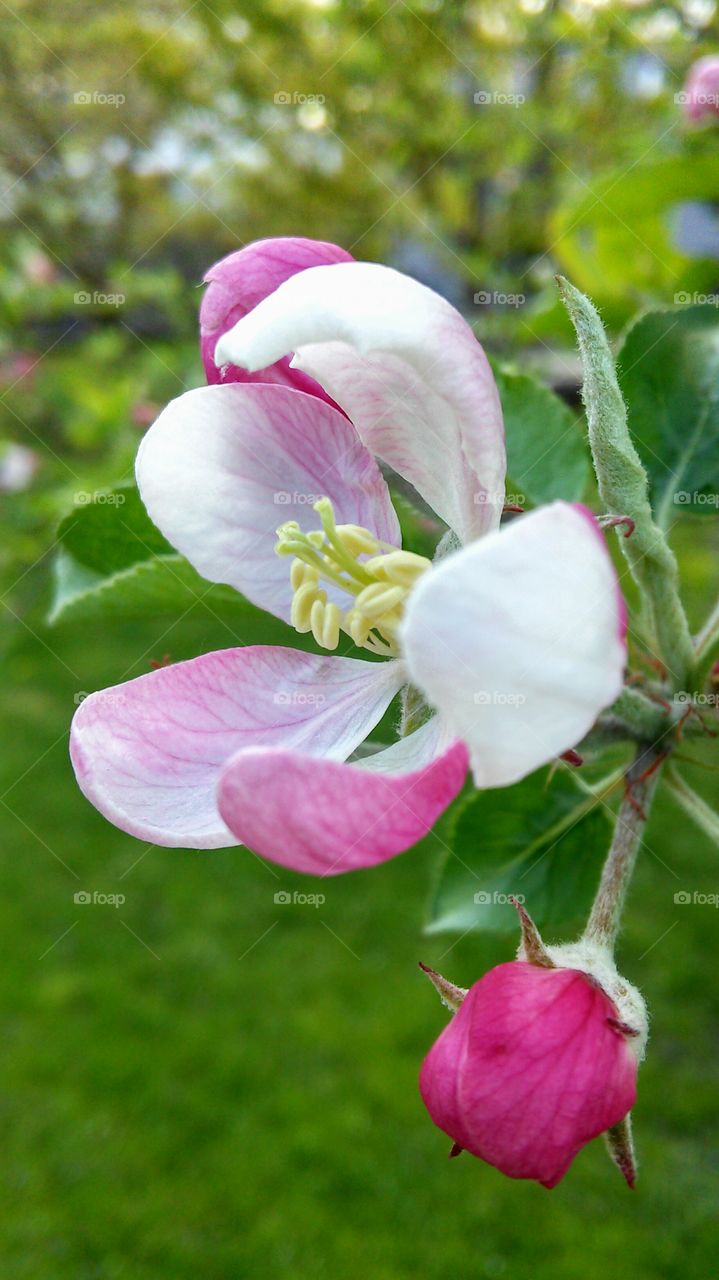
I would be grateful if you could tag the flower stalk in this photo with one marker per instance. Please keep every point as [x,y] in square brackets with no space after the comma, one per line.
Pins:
[640,785]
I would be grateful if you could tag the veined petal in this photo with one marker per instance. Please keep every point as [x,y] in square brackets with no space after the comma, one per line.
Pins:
[238,282]
[518,640]
[148,753]
[223,467]
[404,366]
[325,818]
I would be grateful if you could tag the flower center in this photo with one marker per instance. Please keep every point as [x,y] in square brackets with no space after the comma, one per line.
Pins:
[379,582]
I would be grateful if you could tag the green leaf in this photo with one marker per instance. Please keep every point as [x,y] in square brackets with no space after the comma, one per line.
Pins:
[547,455]
[163,586]
[543,841]
[111,530]
[620,237]
[669,376]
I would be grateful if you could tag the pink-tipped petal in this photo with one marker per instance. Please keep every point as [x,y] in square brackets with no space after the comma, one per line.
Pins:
[518,640]
[529,1070]
[326,818]
[239,282]
[405,367]
[223,467]
[148,753]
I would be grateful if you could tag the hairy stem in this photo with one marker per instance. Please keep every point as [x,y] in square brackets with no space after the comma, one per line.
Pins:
[624,490]
[641,781]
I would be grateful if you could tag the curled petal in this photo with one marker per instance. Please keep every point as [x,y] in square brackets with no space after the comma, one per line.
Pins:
[325,818]
[238,282]
[148,754]
[405,367]
[223,467]
[518,640]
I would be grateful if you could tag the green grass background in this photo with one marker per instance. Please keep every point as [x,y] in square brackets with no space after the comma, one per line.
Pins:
[201,1083]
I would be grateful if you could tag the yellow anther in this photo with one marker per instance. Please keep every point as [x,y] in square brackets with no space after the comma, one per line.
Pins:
[303,603]
[379,584]
[356,540]
[377,599]
[325,623]
[301,573]
[400,567]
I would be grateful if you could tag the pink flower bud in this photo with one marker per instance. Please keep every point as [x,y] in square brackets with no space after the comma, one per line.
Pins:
[237,283]
[701,91]
[536,1062]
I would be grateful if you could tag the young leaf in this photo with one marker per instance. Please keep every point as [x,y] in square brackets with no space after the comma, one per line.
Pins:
[543,841]
[669,376]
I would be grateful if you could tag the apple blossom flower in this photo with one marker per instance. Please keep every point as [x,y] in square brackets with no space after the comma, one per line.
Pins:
[540,1058]
[511,641]
[700,96]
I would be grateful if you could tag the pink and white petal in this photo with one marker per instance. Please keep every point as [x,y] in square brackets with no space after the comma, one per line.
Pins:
[325,818]
[518,640]
[238,282]
[222,467]
[405,367]
[148,754]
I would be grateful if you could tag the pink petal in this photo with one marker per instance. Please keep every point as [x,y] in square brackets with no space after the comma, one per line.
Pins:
[238,282]
[518,640]
[223,467]
[325,818]
[529,1070]
[405,367]
[148,753]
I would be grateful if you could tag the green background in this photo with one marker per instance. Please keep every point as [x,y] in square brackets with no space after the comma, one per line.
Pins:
[202,1082]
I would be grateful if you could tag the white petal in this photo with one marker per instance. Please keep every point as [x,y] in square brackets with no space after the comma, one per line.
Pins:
[405,366]
[518,640]
[224,466]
